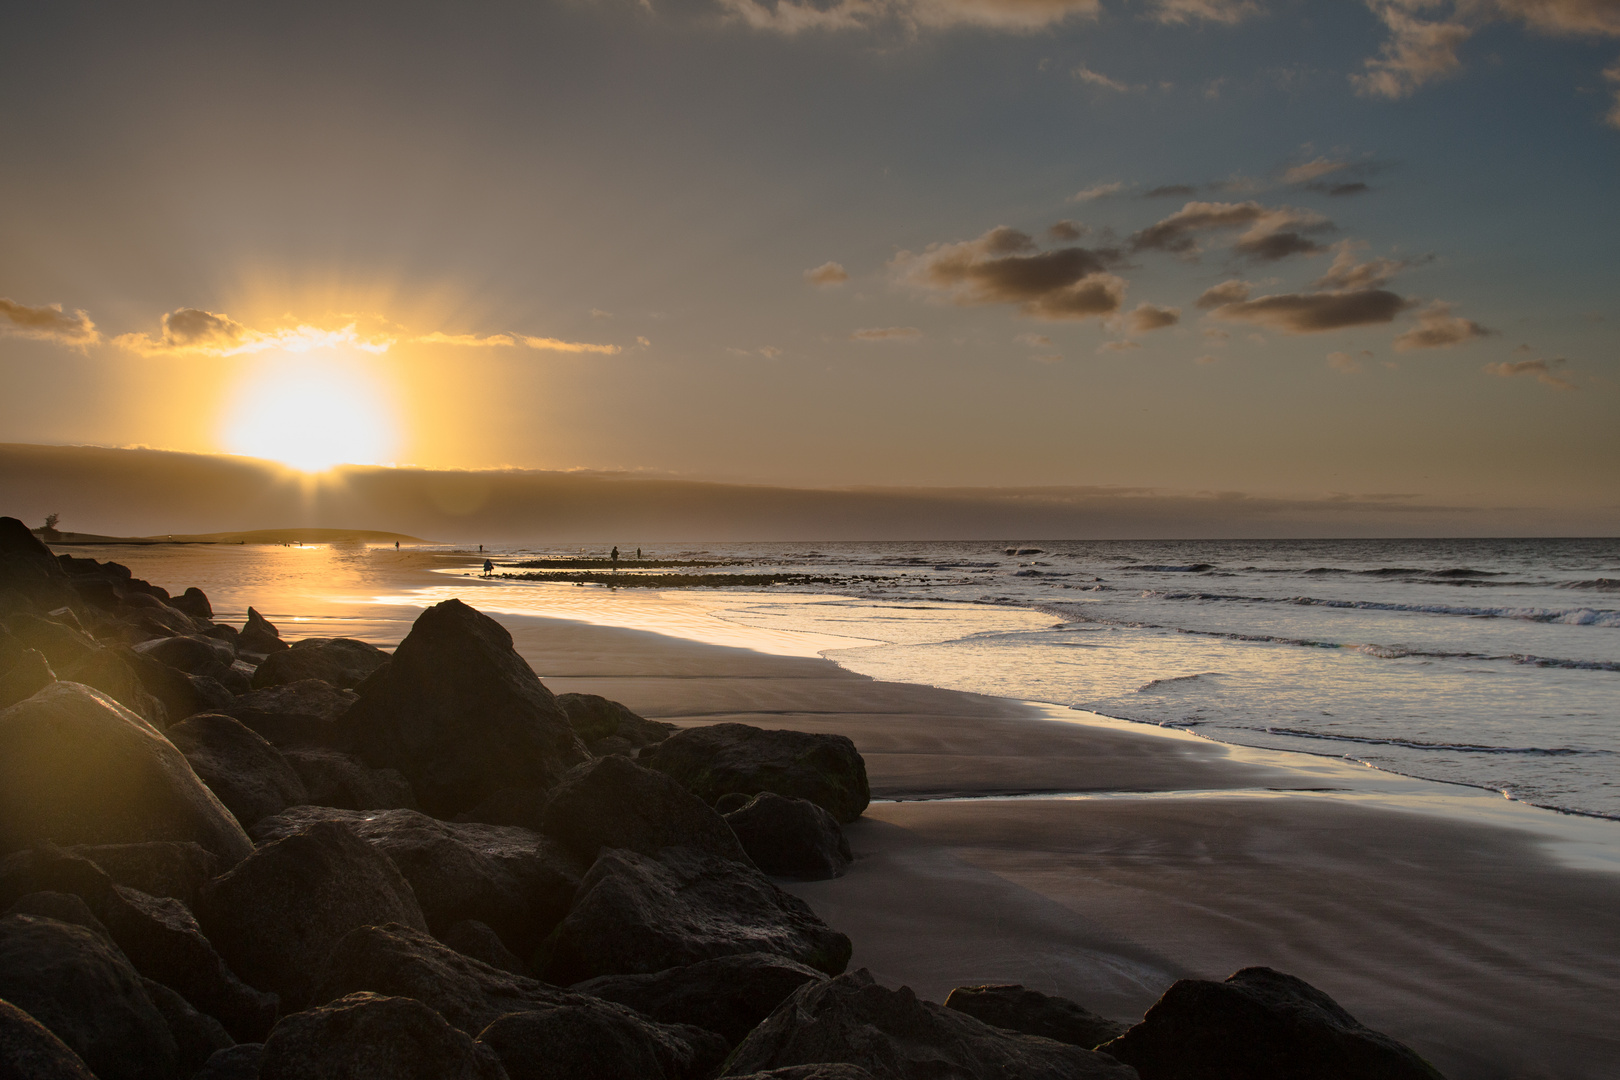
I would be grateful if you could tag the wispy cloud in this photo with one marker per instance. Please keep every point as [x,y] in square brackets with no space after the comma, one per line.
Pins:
[550,344]
[827,274]
[1097,191]
[1218,11]
[1151,317]
[1118,346]
[468,340]
[1347,272]
[48,322]
[800,16]
[1344,362]
[1313,170]
[194,331]
[1540,370]
[887,333]
[1438,328]
[1005,266]
[1303,313]
[1098,79]
[1270,233]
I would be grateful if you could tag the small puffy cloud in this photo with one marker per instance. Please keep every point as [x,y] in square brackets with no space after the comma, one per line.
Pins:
[887,333]
[196,332]
[1270,233]
[1313,170]
[1227,292]
[1438,328]
[1118,346]
[1217,11]
[1347,272]
[1004,266]
[1151,317]
[827,274]
[1344,362]
[1097,191]
[48,322]
[1034,341]
[1308,313]
[1066,230]
[1098,79]
[1540,370]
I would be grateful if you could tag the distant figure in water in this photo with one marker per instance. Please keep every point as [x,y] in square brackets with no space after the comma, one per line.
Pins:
[396,545]
[638,554]
[615,556]
[489,567]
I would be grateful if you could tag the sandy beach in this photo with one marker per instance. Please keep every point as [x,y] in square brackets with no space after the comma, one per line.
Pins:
[1480,943]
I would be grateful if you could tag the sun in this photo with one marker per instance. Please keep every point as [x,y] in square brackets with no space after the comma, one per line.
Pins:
[310,412]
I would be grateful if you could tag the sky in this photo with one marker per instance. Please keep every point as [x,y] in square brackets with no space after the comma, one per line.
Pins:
[1274,249]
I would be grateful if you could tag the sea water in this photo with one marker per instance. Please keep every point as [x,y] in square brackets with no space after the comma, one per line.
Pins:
[1491,663]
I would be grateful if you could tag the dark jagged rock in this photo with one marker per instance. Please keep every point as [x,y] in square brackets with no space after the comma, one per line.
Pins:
[474,939]
[82,989]
[181,694]
[77,768]
[894,1036]
[724,758]
[729,995]
[301,713]
[197,1036]
[792,838]
[342,662]
[820,1071]
[1260,1024]
[461,714]
[63,645]
[193,602]
[521,806]
[637,914]
[107,670]
[239,1062]
[48,868]
[336,779]
[238,765]
[64,908]
[595,718]
[29,572]
[191,653]
[511,879]
[277,915]
[158,868]
[1018,1008]
[24,678]
[370,1037]
[259,637]
[29,1051]
[594,1039]
[612,802]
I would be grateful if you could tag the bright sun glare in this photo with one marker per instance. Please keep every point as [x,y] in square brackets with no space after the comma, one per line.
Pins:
[309,412]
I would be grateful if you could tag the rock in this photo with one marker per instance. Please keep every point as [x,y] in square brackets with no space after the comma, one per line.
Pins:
[64,908]
[301,713]
[239,1062]
[612,802]
[461,714]
[259,637]
[197,1036]
[28,567]
[474,939]
[86,993]
[28,675]
[369,1037]
[336,779]
[28,1050]
[1260,1025]
[592,1040]
[277,915]
[78,768]
[158,868]
[342,662]
[791,838]
[523,807]
[637,914]
[194,654]
[62,645]
[193,602]
[729,995]
[238,765]
[47,868]
[595,718]
[107,670]
[723,758]
[1034,1013]
[181,694]
[820,1071]
[894,1036]
[511,879]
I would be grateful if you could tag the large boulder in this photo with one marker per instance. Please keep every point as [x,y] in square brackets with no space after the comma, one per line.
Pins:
[894,1036]
[791,838]
[197,1036]
[595,718]
[333,778]
[157,868]
[26,676]
[729,995]
[82,989]
[822,1070]
[1260,1024]
[277,916]
[239,1062]
[250,777]
[78,768]
[29,1051]
[461,714]
[1019,1008]
[301,713]
[192,653]
[592,1039]
[107,670]
[259,637]
[342,662]
[724,759]
[637,914]
[180,693]
[612,802]
[370,1037]
[62,643]
[477,940]
[28,569]
[511,879]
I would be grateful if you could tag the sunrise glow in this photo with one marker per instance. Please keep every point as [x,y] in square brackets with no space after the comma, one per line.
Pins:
[311,413]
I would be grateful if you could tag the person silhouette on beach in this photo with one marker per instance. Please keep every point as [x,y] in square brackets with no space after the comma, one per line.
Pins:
[615,556]
[638,554]
[489,567]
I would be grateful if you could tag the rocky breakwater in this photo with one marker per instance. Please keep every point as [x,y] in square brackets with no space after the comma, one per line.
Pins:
[224,855]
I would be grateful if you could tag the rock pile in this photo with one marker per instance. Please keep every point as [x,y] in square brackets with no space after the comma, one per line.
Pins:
[227,856]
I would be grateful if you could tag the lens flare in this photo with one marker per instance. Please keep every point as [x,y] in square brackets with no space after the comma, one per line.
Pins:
[311,413]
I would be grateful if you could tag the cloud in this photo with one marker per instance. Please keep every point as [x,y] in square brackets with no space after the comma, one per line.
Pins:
[827,274]
[1097,191]
[1098,79]
[47,322]
[1541,370]
[799,16]
[1066,230]
[1612,74]
[1151,317]
[196,332]
[1349,365]
[470,340]
[1040,341]
[887,333]
[1003,266]
[1347,273]
[1206,359]
[556,345]
[1438,329]
[1303,313]
[1227,292]
[1313,170]
[1272,233]
[1354,187]
[1118,346]
[1170,191]
[1220,11]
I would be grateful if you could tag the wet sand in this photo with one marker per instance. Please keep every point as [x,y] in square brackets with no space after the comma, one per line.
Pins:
[1478,945]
